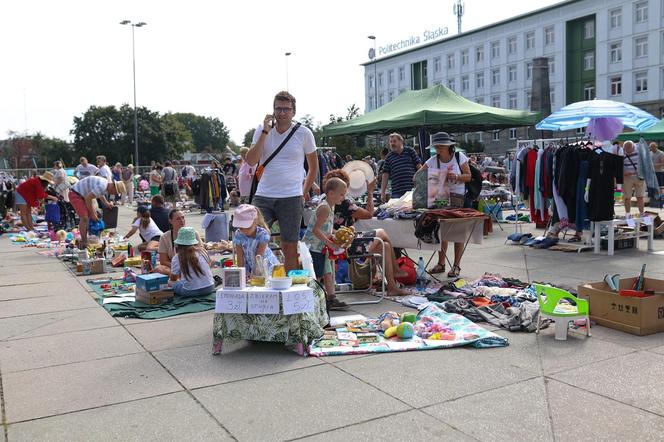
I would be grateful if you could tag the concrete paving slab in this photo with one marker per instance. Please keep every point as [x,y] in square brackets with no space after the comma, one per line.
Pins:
[411,425]
[29,277]
[65,388]
[522,351]
[40,290]
[576,351]
[491,420]
[169,417]
[635,379]
[66,348]
[268,407]
[35,306]
[579,415]
[624,339]
[130,321]
[45,268]
[401,374]
[49,324]
[196,367]
[28,258]
[185,331]
[659,350]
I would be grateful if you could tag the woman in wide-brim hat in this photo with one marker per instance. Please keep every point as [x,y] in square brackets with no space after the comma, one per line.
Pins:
[30,193]
[458,173]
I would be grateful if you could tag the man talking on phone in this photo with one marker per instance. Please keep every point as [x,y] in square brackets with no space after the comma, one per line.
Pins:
[279,147]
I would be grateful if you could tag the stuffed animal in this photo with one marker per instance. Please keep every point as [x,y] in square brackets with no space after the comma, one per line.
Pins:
[387,320]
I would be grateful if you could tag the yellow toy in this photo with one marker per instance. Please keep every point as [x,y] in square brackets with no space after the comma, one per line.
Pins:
[344,236]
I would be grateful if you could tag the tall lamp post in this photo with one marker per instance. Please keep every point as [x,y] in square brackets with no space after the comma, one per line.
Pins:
[133,62]
[375,79]
[287,54]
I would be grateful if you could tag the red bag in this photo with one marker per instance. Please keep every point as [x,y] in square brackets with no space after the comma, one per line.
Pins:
[406,265]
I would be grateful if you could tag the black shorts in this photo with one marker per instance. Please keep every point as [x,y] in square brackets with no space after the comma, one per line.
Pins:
[318,260]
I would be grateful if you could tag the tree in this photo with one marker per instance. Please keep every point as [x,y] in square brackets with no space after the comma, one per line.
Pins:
[52,149]
[248,137]
[345,144]
[205,131]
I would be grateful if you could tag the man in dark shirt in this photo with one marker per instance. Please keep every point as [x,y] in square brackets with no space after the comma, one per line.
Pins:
[229,168]
[399,167]
[159,213]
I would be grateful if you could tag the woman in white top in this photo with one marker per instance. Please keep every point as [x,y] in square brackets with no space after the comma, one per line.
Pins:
[150,233]
[62,184]
[458,173]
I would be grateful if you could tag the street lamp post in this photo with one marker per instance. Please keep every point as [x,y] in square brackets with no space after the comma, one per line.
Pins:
[287,54]
[375,79]
[133,62]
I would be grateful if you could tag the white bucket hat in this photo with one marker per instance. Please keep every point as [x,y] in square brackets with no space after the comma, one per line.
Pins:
[360,173]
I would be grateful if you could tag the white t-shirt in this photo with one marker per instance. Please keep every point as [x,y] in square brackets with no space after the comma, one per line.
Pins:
[195,280]
[284,175]
[105,172]
[150,232]
[85,171]
[452,167]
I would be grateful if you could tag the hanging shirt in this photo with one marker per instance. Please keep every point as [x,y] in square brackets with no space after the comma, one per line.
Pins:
[604,169]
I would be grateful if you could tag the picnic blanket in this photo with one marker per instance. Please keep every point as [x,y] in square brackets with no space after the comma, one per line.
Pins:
[179,306]
[464,331]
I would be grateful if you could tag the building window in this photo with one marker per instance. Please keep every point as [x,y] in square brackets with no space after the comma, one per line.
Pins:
[615,52]
[552,66]
[479,136]
[589,91]
[479,100]
[464,57]
[495,101]
[615,84]
[581,131]
[390,96]
[402,73]
[552,97]
[589,29]
[450,61]
[511,45]
[495,49]
[479,80]
[549,36]
[513,133]
[465,83]
[380,79]
[371,81]
[511,73]
[615,18]
[529,70]
[589,61]
[381,100]
[641,47]
[530,40]
[641,82]
[528,97]
[495,77]
[495,135]
[641,12]
[436,64]
[479,54]
[390,76]
[512,101]
[450,84]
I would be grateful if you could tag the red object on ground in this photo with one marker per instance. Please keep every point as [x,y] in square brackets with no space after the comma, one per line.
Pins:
[406,265]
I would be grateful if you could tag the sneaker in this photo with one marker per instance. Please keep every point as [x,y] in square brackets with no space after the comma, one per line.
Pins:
[335,304]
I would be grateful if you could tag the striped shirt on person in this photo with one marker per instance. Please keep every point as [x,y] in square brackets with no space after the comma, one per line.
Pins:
[92,184]
[401,168]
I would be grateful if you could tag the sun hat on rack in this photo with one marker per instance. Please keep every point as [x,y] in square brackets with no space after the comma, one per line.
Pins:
[359,173]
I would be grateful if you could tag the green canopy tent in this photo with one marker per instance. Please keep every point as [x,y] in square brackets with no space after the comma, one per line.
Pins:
[653,133]
[433,108]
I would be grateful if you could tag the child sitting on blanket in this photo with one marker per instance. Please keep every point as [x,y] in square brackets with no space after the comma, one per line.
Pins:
[192,265]
[318,235]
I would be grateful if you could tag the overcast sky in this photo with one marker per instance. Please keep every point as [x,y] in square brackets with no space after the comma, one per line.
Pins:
[216,58]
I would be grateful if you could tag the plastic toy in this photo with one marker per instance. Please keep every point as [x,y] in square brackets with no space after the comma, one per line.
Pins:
[405,330]
[408,317]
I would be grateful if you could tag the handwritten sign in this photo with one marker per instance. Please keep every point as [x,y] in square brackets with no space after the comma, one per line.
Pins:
[263,303]
[229,301]
[298,301]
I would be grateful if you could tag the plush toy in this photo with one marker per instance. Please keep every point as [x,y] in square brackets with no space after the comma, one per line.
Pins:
[61,235]
[408,317]
[344,236]
[387,320]
[333,255]
[405,330]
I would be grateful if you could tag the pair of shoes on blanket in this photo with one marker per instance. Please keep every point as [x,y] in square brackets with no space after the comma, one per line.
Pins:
[517,237]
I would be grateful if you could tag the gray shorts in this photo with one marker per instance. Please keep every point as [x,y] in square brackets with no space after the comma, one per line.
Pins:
[287,211]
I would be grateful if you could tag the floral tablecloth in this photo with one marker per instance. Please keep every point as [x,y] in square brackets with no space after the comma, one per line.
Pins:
[301,328]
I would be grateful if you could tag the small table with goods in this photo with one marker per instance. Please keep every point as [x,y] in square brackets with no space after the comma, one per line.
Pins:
[632,223]
[295,316]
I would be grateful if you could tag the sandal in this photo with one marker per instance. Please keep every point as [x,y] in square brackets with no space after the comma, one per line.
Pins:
[438,268]
[456,271]
[575,238]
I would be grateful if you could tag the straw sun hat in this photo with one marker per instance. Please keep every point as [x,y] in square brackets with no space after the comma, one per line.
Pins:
[360,173]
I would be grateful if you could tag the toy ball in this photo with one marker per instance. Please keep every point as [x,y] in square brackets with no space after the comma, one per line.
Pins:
[70,236]
[405,330]
[408,317]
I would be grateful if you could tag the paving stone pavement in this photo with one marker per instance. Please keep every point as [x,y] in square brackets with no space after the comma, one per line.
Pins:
[71,372]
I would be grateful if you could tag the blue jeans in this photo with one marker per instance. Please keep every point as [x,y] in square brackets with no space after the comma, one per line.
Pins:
[179,290]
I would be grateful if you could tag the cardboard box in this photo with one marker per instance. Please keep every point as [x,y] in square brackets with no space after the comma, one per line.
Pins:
[151,281]
[154,297]
[638,316]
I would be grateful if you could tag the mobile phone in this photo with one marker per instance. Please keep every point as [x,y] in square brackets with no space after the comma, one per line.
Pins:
[274,121]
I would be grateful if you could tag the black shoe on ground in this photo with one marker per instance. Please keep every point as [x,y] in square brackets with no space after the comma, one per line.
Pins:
[335,304]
